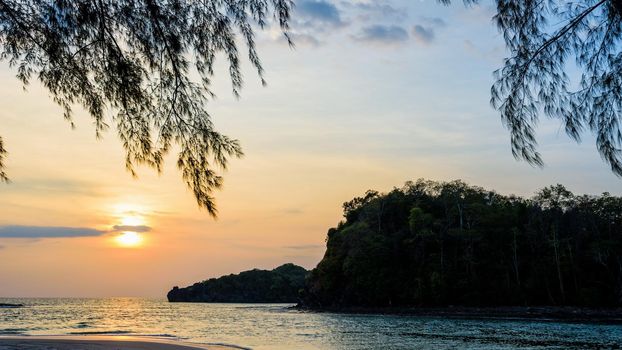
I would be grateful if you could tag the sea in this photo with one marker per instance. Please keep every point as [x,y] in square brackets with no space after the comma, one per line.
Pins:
[278,326]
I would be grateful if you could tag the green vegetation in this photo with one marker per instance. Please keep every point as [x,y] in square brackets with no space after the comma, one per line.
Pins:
[281,285]
[438,244]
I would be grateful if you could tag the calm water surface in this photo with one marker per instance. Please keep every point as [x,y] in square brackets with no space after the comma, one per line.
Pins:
[277,327]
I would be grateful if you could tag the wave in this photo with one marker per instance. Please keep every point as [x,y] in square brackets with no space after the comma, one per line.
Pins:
[100,332]
[13,331]
[228,346]
[119,332]
[163,335]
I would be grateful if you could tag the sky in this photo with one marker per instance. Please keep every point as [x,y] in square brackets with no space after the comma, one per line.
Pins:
[375,93]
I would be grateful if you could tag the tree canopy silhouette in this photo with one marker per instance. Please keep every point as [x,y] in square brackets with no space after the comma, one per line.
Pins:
[434,243]
[547,39]
[137,59]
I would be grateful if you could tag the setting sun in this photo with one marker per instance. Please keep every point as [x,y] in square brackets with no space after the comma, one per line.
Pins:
[130,224]
[129,239]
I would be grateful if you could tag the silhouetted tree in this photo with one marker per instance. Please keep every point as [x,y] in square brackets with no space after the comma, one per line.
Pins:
[280,285]
[3,176]
[553,249]
[547,39]
[136,59]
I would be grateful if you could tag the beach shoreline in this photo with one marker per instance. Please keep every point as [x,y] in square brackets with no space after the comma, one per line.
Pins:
[102,343]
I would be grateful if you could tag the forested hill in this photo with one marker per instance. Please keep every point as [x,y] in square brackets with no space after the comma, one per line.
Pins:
[281,285]
[449,243]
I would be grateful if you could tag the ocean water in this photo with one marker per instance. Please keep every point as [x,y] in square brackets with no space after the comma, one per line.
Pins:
[279,327]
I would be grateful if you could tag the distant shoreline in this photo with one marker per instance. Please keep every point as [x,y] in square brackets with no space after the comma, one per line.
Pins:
[567,314]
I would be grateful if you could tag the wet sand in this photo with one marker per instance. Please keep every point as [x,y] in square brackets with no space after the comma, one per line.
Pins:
[100,343]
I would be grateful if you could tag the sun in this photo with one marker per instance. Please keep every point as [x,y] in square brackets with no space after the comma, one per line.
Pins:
[130,223]
[129,239]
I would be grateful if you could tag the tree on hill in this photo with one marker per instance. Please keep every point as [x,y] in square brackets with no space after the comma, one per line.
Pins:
[280,285]
[449,243]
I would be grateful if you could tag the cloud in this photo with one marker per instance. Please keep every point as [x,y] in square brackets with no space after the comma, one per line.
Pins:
[305,247]
[16,231]
[301,39]
[131,228]
[383,35]
[434,21]
[425,32]
[312,19]
[318,12]
[424,35]
[377,10]
[54,187]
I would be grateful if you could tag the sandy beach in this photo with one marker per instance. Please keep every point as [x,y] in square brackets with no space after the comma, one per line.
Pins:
[100,343]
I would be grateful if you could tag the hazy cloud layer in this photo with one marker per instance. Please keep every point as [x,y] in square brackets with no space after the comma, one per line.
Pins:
[425,31]
[377,22]
[312,13]
[16,231]
[312,20]
[19,231]
[434,22]
[422,34]
[131,228]
[305,247]
[376,10]
[383,35]
[302,39]
[53,186]
[293,211]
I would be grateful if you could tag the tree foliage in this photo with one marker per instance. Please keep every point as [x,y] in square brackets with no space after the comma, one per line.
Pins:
[546,40]
[3,176]
[448,243]
[281,285]
[130,63]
